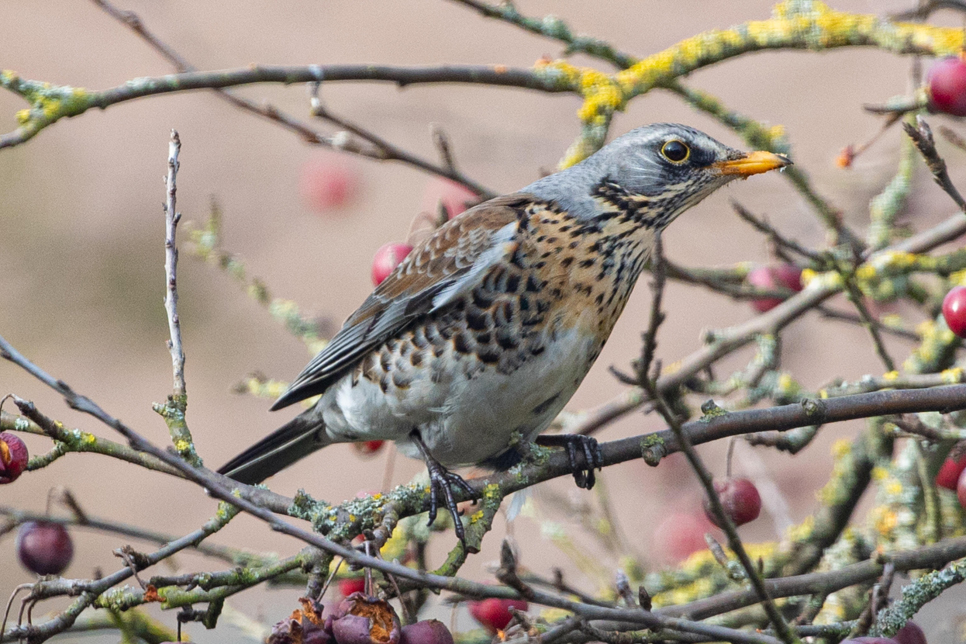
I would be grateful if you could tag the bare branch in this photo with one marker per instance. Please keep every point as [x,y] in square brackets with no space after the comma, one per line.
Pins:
[171,219]
[384,152]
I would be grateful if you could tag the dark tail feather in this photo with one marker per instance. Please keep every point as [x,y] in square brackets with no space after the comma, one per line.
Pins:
[289,443]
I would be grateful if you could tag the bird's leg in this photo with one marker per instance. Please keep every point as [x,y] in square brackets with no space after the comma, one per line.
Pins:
[593,458]
[440,480]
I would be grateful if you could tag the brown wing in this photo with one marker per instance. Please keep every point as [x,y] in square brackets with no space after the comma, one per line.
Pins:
[446,265]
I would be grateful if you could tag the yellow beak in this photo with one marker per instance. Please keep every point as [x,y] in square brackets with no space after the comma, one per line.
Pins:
[752,163]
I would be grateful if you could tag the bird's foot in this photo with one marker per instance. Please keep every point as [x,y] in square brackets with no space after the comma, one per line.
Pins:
[589,448]
[441,481]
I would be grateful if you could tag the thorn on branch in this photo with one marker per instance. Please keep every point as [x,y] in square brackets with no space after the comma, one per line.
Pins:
[922,136]
[643,597]
[624,589]
[507,573]
[441,141]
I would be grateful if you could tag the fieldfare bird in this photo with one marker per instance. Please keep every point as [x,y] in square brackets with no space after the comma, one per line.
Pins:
[478,339]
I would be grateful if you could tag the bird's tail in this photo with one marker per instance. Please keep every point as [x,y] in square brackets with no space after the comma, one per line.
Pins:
[289,443]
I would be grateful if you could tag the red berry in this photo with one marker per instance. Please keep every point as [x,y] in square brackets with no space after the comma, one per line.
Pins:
[352,585]
[740,499]
[954,310]
[13,457]
[910,634]
[961,490]
[774,277]
[368,448]
[681,534]
[948,476]
[453,195]
[494,614]
[430,631]
[328,184]
[44,547]
[947,86]
[387,258]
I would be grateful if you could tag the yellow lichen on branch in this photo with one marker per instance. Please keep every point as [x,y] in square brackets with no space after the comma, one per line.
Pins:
[796,24]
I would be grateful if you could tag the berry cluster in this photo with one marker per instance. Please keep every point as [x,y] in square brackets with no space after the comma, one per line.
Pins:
[357,619]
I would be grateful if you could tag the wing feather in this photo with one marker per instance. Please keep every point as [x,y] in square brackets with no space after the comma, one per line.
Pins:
[448,264]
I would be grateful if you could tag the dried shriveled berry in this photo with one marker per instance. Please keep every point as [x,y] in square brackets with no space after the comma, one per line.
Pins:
[44,547]
[303,626]
[365,620]
[13,457]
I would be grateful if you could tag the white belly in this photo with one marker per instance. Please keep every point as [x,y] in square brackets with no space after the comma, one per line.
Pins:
[463,418]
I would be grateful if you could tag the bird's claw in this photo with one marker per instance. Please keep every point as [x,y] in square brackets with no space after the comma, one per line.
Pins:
[441,481]
[590,449]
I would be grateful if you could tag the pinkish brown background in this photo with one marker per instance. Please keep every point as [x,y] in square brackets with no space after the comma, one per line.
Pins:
[81,230]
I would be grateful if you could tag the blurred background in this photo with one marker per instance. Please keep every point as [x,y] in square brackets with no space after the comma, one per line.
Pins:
[81,241]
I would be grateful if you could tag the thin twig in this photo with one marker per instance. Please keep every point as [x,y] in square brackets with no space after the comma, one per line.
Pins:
[869,323]
[776,237]
[913,425]
[173,410]
[384,151]
[930,557]
[171,219]
[650,385]
[554,28]
[229,555]
[726,341]
[784,631]
[643,368]
[832,314]
[925,9]
[954,138]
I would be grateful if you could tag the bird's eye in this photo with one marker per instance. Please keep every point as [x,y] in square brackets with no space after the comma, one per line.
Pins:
[675,151]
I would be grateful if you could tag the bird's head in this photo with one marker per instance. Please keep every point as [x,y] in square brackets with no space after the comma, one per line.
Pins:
[672,167]
[658,171]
